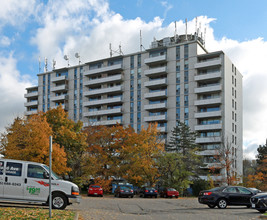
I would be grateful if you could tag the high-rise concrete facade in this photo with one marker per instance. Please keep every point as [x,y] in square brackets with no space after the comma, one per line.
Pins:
[176,79]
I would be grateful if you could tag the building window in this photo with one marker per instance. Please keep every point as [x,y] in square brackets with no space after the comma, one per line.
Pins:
[178,113]
[132,62]
[178,76]
[177,89]
[185,76]
[139,60]
[186,88]
[177,101]
[186,100]
[186,113]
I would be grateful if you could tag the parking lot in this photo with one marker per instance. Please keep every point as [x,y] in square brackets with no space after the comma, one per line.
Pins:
[109,207]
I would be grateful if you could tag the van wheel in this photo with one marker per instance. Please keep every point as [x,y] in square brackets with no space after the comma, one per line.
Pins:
[59,201]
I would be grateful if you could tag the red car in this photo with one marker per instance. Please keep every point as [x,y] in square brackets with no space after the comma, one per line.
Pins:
[95,190]
[169,192]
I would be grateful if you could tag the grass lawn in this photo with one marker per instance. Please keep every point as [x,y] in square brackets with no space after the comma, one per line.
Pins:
[34,213]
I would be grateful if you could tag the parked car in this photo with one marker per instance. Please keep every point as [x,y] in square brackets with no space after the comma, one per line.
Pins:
[169,192]
[255,190]
[124,191]
[95,190]
[148,192]
[227,195]
[259,202]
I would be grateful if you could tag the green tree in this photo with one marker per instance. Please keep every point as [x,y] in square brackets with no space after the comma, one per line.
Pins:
[183,140]
[262,152]
[173,171]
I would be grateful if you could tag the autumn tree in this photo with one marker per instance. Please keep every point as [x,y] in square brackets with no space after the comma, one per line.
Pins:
[68,134]
[28,139]
[119,152]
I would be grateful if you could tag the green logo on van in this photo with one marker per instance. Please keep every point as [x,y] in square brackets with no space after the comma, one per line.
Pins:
[33,190]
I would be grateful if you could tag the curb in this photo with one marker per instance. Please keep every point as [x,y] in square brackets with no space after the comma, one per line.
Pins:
[76,217]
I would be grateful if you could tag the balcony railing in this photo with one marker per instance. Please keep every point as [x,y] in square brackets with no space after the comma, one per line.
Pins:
[208,89]
[103,69]
[201,140]
[58,98]
[103,101]
[31,94]
[155,71]
[208,101]
[103,91]
[30,112]
[159,94]
[155,106]
[214,75]
[116,78]
[157,59]
[208,63]
[104,122]
[208,127]
[33,103]
[208,114]
[155,83]
[58,78]
[103,112]
[59,88]
[155,118]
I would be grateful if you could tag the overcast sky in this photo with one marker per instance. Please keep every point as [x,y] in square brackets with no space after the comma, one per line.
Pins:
[30,29]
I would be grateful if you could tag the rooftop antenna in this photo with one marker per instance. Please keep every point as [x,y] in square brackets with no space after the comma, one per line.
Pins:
[39,64]
[66,57]
[204,40]
[54,64]
[175,32]
[77,55]
[110,50]
[45,68]
[141,44]
[196,27]
[186,29]
[120,51]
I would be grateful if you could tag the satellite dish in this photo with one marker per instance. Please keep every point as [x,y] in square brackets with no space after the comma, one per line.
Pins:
[77,55]
[66,57]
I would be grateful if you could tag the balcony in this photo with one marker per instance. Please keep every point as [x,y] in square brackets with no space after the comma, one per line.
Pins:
[27,113]
[155,71]
[58,98]
[31,94]
[58,79]
[160,94]
[106,122]
[32,103]
[208,127]
[155,106]
[155,83]
[209,63]
[157,59]
[103,91]
[103,101]
[59,88]
[155,118]
[215,75]
[202,140]
[208,152]
[207,89]
[208,114]
[208,101]
[103,69]
[116,78]
[103,112]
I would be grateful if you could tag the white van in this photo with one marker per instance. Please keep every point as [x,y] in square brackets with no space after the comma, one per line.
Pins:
[28,182]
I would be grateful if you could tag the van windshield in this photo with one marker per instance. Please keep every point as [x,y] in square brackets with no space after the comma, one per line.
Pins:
[56,177]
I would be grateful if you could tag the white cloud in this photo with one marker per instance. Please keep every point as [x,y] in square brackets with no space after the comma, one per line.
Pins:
[4,41]
[167,7]
[16,12]
[12,90]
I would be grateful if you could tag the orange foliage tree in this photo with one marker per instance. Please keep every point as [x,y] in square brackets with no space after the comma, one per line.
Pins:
[120,152]
[68,134]
[28,139]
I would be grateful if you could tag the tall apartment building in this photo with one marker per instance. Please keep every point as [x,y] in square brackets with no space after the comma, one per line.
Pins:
[176,79]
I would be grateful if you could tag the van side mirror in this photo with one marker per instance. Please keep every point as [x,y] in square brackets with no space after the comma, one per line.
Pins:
[45,175]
